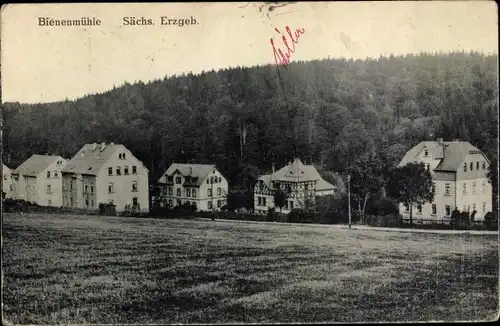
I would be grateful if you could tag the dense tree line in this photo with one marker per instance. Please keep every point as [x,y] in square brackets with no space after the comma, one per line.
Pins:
[347,115]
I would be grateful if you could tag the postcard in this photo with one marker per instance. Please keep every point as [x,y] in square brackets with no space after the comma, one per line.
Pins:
[249,162]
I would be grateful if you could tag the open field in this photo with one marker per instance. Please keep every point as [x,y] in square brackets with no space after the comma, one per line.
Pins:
[91,269]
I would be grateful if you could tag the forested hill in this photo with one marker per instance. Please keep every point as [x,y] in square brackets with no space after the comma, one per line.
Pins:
[344,111]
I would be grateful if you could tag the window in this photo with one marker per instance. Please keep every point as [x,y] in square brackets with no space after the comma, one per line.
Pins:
[428,166]
[118,170]
[474,187]
[465,167]
[110,188]
[134,185]
[477,165]
[178,180]
[473,207]
[92,203]
[178,192]
[49,189]
[419,209]
[426,152]
[209,205]
[219,191]
[134,169]
[434,209]
[48,174]
[170,203]
[464,188]
[125,170]
[86,188]
[484,165]
[291,205]
[220,179]
[123,155]
[259,201]
[87,202]
[215,179]
[170,191]
[471,166]
[5,177]
[110,171]
[218,204]
[11,187]
[188,192]
[209,192]
[194,193]
[447,210]
[447,189]
[111,201]
[483,187]
[135,202]
[263,201]
[56,175]
[49,202]
[484,206]
[91,189]
[407,207]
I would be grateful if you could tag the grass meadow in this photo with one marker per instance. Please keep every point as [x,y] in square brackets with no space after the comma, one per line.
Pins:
[91,269]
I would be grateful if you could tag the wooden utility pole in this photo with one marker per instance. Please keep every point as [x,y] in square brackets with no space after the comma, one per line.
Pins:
[349,197]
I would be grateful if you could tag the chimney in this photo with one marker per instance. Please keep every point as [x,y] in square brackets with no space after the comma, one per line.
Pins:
[94,146]
[273,168]
[440,141]
[190,170]
[103,145]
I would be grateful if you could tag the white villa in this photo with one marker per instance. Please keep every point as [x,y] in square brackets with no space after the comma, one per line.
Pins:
[459,171]
[201,185]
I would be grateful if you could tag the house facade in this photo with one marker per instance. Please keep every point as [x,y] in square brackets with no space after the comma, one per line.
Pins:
[38,180]
[459,171]
[301,182]
[105,173]
[199,185]
[7,186]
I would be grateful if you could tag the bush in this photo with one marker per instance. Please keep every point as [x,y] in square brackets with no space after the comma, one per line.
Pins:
[272,216]
[491,221]
[382,206]
[460,220]
[299,215]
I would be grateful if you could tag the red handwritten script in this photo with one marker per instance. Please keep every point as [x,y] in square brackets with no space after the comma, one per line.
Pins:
[284,58]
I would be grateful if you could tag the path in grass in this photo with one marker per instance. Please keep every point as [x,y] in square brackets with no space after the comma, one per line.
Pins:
[90,269]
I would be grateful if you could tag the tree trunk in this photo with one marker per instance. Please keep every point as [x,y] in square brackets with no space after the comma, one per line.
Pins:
[411,211]
[364,207]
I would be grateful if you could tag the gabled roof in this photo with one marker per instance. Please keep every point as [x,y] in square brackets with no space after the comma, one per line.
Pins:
[195,173]
[6,169]
[91,158]
[35,165]
[451,153]
[297,171]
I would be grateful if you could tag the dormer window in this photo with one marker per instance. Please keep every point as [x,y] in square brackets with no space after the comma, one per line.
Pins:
[484,165]
[426,152]
[471,166]
[465,167]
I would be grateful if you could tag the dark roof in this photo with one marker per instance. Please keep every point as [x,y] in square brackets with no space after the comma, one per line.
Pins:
[296,171]
[451,153]
[195,174]
[35,164]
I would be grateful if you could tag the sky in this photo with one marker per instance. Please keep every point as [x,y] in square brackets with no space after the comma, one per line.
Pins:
[47,64]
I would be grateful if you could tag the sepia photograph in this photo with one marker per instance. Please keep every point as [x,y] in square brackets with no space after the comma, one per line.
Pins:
[249,162]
